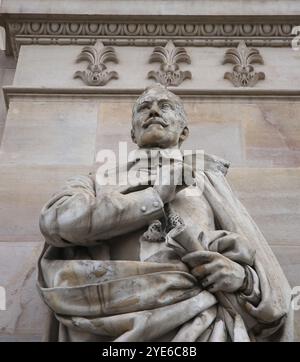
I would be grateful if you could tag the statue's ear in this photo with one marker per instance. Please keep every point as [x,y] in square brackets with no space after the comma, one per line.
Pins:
[184,135]
[133,135]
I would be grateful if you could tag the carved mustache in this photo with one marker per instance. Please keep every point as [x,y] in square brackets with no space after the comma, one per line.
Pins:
[155,120]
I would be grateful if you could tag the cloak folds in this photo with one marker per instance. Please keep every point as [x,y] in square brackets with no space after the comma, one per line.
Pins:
[155,298]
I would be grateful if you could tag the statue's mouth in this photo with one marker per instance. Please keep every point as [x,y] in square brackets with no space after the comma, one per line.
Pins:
[155,120]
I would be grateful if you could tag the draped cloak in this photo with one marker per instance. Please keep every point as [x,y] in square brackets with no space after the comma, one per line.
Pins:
[145,292]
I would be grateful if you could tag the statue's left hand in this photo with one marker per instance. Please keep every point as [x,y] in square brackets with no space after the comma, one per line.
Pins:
[215,271]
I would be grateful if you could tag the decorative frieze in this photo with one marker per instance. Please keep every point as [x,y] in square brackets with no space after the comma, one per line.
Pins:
[169,73]
[96,73]
[149,29]
[243,73]
[148,33]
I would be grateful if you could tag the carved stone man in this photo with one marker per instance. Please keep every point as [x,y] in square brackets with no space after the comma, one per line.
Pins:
[151,261]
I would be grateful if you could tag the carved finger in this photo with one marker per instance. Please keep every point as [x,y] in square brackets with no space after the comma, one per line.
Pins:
[213,288]
[210,279]
[200,271]
[198,257]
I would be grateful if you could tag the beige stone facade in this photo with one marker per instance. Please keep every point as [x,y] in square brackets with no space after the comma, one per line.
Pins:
[56,123]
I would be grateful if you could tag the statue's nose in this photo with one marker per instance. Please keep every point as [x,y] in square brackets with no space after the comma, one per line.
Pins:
[154,110]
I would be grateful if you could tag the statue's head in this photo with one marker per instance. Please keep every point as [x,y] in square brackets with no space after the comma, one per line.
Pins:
[158,119]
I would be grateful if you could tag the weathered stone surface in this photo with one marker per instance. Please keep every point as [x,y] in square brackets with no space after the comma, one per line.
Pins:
[25,315]
[7,71]
[7,62]
[160,7]
[55,66]
[23,192]
[268,132]
[288,257]
[48,133]
[113,124]
[210,129]
[260,134]
[273,135]
[272,196]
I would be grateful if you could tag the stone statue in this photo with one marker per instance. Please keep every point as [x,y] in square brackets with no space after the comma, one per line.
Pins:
[151,262]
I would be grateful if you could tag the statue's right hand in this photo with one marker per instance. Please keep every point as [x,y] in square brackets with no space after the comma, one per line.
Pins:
[169,181]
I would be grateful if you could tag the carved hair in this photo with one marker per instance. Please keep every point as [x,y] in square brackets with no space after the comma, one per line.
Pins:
[160,89]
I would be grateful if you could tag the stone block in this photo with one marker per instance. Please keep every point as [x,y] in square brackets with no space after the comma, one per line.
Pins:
[23,192]
[288,257]
[273,134]
[48,133]
[56,66]
[272,197]
[25,314]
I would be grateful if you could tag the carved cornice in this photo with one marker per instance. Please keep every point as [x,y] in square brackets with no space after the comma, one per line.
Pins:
[203,31]
[37,93]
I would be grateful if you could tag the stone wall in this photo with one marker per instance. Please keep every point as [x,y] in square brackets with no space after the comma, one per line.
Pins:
[7,72]
[56,124]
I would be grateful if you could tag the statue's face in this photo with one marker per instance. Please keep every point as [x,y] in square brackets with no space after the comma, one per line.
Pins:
[157,122]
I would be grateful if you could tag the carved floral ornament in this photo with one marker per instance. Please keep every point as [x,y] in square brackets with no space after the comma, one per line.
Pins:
[243,73]
[96,73]
[169,73]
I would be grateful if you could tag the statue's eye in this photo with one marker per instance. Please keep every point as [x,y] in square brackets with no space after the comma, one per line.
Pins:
[143,107]
[165,106]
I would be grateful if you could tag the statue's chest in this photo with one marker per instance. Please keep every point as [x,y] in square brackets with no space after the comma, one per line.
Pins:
[193,209]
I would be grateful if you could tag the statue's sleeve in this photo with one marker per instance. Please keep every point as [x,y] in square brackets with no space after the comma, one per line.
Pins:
[75,215]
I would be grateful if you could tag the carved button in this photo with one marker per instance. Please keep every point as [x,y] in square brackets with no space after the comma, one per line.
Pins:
[143,208]
[155,204]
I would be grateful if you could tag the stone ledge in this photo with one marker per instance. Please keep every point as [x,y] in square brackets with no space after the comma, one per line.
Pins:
[13,92]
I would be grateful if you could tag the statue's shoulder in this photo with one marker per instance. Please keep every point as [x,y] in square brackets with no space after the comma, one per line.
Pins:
[215,163]
[81,181]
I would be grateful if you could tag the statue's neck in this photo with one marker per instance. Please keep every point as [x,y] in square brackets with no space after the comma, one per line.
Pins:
[153,157]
